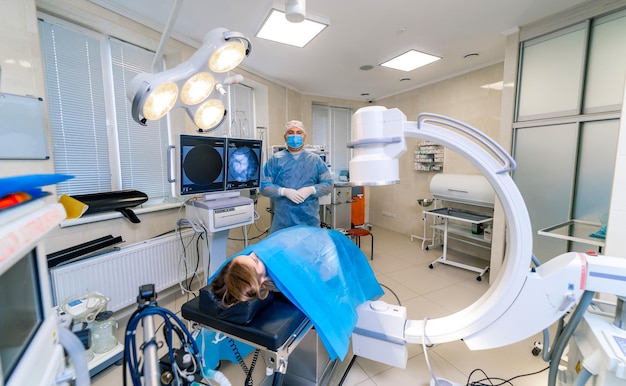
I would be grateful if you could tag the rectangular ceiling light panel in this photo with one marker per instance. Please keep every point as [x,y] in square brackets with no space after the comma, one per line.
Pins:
[410,60]
[277,28]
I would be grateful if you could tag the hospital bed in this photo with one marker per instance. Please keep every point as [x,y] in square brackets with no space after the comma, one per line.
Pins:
[285,335]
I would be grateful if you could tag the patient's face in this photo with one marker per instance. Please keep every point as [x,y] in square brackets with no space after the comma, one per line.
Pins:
[253,262]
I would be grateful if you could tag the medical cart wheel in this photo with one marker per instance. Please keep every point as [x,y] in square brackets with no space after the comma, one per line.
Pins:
[431,266]
[479,278]
[427,247]
[537,347]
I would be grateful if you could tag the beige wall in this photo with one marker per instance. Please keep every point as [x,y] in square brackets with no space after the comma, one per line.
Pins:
[462,98]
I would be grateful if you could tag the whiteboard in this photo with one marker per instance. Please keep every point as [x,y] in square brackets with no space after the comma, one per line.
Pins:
[22,128]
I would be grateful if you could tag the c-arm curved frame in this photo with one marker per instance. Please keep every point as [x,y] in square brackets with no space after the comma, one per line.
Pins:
[520,301]
[505,289]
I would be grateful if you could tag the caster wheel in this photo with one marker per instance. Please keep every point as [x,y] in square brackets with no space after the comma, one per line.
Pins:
[479,278]
[431,266]
[537,347]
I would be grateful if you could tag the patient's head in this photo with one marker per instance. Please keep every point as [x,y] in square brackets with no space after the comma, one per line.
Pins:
[242,279]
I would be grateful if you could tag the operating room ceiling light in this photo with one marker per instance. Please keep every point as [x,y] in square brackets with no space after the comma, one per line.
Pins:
[277,28]
[190,84]
[410,60]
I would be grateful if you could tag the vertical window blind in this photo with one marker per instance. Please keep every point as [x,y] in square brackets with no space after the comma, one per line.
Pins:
[93,134]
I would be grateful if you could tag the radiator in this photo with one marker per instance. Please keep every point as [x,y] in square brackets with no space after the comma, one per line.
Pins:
[119,274]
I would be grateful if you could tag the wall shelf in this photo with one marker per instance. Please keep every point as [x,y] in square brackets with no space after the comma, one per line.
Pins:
[428,157]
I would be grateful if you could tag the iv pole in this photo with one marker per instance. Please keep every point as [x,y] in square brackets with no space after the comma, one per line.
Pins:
[151,371]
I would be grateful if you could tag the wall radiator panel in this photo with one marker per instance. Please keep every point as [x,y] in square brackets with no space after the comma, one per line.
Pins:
[119,274]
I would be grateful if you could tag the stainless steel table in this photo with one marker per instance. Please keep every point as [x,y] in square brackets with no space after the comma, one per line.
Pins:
[465,231]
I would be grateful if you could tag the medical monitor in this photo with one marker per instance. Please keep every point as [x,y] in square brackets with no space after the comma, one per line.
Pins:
[243,170]
[202,164]
[30,353]
[22,310]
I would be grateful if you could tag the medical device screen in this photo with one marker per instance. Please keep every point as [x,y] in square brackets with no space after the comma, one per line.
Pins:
[21,311]
[243,170]
[202,164]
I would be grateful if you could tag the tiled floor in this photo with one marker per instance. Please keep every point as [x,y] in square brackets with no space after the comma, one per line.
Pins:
[402,266]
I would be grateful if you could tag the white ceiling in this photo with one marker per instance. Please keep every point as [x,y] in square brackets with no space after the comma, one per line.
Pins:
[361,32]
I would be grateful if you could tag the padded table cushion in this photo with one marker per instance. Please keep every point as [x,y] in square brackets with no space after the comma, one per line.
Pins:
[270,328]
[238,313]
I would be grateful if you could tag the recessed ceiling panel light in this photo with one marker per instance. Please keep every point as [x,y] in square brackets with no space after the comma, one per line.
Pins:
[277,28]
[410,60]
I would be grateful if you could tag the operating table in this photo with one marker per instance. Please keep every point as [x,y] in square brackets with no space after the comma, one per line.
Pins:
[281,331]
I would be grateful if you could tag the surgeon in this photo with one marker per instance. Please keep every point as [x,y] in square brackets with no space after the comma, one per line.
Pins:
[294,180]
[319,270]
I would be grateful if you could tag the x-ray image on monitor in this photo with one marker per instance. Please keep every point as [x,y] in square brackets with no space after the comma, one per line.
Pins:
[244,163]
[202,164]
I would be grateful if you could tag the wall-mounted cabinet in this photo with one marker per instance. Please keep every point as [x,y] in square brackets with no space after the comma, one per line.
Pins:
[428,157]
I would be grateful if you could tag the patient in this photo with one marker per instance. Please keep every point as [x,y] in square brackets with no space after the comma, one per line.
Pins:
[242,279]
[320,271]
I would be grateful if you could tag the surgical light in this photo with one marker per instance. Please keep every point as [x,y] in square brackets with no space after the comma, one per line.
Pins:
[209,114]
[197,88]
[227,57]
[191,83]
[160,101]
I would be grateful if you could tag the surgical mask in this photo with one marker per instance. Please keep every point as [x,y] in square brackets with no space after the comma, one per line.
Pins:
[294,141]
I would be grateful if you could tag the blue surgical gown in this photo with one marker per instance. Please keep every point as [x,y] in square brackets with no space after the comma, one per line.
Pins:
[324,274]
[286,170]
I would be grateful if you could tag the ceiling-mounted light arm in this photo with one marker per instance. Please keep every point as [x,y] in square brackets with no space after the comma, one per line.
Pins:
[166,34]
[237,35]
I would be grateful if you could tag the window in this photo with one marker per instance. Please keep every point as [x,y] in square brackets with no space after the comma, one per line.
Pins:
[93,134]
[242,111]
[570,94]
[331,128]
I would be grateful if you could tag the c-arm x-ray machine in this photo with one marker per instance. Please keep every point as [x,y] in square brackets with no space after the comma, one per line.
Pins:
[523,300]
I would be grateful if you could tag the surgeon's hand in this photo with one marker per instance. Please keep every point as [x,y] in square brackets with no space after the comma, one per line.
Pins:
[306,192]
[291,194]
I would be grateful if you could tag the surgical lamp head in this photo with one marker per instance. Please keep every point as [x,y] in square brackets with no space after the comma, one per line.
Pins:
[190,84]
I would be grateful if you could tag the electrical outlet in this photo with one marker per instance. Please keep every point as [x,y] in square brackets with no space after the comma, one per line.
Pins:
[389,214]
